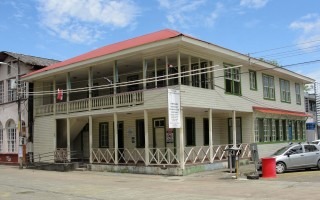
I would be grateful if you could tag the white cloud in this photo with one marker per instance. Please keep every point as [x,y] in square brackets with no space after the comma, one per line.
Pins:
[309,26]
[185,13]
[81,21]
[253,3]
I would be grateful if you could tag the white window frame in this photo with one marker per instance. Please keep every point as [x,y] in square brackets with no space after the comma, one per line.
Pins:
[11,92]
[12,139]
[1,92]
[298,93]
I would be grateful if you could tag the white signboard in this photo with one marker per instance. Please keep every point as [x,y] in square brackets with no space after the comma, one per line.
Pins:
[174,108]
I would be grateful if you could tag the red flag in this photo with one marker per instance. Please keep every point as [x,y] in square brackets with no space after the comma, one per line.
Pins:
[60,94]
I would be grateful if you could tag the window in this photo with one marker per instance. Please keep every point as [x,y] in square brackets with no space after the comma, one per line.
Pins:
[296,150]
[1,138]
[205,131]
[8,69]
[158,123]
[253,80]
[1,92]
[23,90]
[285,91]
[11,137]
[190,131]
[103,135]
[298,95]
[268,87]
[232,80]
[310,148]
[140,142]
[11,93]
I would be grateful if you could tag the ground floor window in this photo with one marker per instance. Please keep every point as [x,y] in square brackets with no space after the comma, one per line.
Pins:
[104,135]
[140,142]
[190,131]
[271,130]
[11,139]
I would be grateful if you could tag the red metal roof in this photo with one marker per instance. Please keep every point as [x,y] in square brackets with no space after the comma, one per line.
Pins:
[280,111]
[113,48]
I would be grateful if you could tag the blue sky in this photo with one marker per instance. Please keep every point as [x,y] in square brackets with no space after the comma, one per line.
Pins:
[61,29]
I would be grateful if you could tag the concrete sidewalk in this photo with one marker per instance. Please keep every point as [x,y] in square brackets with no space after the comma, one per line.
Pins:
[218,184]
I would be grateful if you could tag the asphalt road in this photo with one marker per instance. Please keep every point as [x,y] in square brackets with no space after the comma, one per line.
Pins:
[35,184]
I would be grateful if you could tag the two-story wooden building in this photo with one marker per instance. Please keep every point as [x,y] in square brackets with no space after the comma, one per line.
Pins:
[110,105]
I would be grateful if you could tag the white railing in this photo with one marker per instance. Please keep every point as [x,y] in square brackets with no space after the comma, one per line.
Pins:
[127,156]
[61,155]
[101,102]
[197,154]
[44,110]
[163,156]
[79,105]
[61,107]
[129,98]
[102,155]
[168,156]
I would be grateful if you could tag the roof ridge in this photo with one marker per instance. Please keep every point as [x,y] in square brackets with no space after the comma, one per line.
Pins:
[9,52]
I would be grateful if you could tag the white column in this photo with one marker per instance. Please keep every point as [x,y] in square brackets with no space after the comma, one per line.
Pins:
[167,71]
[90,86]
[68,138]
[179,68]
[115,121]
[234,129]
[189,71]
[181,138]
[68,90]
[146,137]
[210,136]
[144,73]
[155,73]
[90,139]
[115,79]
[54,95]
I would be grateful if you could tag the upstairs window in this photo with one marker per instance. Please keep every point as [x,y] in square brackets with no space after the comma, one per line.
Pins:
[285,91]
[232,80]
[268,87]
[1,92]
[12,96]
[253,80]
[298,95]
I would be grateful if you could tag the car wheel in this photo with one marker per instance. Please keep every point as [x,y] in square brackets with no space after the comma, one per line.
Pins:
[318,164]
[281,167]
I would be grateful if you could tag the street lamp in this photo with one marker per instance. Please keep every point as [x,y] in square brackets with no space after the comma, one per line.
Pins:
[21,139]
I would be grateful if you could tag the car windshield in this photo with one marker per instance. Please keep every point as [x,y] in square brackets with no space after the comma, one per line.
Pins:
[314,142]
[281,151]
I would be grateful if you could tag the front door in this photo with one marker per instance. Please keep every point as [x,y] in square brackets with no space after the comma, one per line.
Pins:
[159,138]
[238,130]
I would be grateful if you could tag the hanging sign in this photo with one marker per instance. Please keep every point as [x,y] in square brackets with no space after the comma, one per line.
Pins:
[174,108]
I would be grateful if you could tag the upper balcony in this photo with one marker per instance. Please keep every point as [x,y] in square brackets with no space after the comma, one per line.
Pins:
[121,83]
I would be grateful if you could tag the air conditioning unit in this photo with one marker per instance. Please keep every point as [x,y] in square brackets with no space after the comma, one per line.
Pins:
[13,84]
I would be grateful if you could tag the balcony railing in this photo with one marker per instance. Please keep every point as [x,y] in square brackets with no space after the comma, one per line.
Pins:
[101,102]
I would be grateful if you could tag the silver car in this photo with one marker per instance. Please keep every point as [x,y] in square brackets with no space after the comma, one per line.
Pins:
[296,156]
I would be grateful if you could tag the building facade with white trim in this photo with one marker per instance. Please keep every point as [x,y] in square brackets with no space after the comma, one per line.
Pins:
[112,108]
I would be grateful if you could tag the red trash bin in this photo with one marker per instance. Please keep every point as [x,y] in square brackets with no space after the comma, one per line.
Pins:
[268,167]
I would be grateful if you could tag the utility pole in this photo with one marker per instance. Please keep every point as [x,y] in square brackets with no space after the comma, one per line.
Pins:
[21,139]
